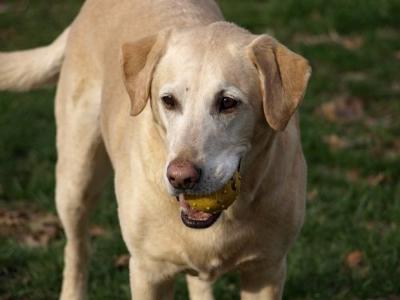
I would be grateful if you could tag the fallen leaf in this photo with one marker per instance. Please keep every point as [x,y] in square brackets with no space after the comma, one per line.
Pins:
[312,195]
[350,42]
[335,142]
[354,259]
[4,7]
[28,226]
[97,231]
[353,175]
[43,229]
[390,297]
[122,261]
[394,149]
[355,76]
[395,86]
[387,33]
[370,225]
[397,55]
[343,109]
[375,180]
[12,218]
[353,42]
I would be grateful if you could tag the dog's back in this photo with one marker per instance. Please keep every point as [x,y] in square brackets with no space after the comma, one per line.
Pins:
[99,30]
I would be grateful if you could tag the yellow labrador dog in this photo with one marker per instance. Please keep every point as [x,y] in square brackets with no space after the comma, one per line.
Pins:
[177,100]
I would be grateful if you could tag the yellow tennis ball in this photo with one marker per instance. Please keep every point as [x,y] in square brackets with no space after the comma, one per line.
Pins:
[219,200]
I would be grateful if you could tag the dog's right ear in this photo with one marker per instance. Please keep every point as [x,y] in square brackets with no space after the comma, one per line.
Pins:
[139,60]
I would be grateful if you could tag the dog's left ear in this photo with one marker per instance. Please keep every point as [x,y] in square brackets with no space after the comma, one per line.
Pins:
[139,60]
[283,75]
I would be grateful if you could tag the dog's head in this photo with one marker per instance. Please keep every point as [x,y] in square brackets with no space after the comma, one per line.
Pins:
[208,87]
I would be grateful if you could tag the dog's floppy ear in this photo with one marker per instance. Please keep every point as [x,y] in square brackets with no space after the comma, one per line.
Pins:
[283,75]
[139,60]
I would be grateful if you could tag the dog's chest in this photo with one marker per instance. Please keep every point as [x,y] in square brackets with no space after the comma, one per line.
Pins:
[208,262]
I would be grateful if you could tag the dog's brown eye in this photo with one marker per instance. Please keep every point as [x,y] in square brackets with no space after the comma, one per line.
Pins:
[227,104]
[169,101]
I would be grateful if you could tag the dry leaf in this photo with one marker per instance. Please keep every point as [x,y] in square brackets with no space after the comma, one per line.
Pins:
[354,259]
[335,142]
[353,175]
[395,86]
[12,218]
[394,148]
[122,261]
[311,40]
[43,229]
[354,76]
[97,231]
[387,33]
[28,226]
[375,180]
[4,7]
[397,55]
[312,195]
[342,109]
[349,42]
[390,297]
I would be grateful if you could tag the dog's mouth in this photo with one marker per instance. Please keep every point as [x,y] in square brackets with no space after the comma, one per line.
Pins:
[194,218]
[202,211]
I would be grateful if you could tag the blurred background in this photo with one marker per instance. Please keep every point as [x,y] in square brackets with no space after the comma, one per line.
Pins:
[349,247]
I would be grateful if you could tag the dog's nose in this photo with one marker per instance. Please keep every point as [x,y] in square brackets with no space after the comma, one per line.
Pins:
[183,174]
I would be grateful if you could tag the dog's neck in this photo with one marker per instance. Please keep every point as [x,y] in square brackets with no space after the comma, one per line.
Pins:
[266,162]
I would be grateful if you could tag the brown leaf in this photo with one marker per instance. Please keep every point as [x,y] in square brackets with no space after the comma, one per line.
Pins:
[342,109]
[349,42]
[397,55]
[353,175]
[335,142]
[311,40]
[355,76]
[390,297]
[395,86]
[312,195]
[12,218]
[29,226]
[393,151]
[375,180]
[97,231]
[387,33]
[122,261]
[43,229]
[354,259]
[4,7]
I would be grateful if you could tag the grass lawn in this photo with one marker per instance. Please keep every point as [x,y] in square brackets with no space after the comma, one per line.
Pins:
[350,245]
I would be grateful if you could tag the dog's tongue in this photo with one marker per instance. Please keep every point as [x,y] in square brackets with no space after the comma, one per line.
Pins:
[190,212]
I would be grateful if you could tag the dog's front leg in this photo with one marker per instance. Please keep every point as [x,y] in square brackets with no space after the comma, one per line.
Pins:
[149,283]
[263,282]
[199,289]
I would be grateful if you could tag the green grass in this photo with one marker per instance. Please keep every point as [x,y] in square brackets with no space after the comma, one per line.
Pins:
[344,214]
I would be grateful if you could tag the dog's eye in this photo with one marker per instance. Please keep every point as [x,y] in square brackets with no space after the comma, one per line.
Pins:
[227,104]
[169,101]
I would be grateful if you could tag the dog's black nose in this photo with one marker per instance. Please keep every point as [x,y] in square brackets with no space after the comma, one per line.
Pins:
[183,174]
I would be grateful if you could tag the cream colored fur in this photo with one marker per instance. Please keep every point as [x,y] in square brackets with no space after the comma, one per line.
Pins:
[121,57]
[24,70]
